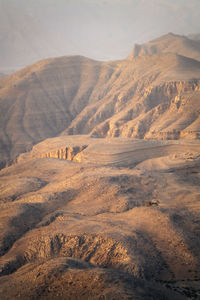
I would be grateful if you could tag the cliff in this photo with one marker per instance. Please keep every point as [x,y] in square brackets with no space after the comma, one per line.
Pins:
[149,95]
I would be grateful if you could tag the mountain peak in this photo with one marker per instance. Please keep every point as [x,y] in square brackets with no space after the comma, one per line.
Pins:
[171,43]
[77,95]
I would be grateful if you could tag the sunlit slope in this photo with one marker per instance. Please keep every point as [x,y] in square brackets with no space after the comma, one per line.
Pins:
[42,100]
[170,43]
[122,208]
[156,95]
[145,90]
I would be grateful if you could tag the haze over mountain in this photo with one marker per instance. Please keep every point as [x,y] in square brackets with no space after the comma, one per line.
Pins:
[103,30]
[171,43]
[154,93]
[101,198]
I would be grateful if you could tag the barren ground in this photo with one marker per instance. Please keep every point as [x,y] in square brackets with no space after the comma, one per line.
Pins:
[119,221]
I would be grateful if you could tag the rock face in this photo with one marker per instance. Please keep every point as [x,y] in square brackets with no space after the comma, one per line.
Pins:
[105,205]
[42,100]
[154,93]
[170,43]
[95,151]
[65,148]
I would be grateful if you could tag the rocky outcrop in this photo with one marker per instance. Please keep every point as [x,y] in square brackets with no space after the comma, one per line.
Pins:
[173,43]
[68,153]
[174,135]
[165,111]
[130,207]
[52,148]
[155,94]
[42,100]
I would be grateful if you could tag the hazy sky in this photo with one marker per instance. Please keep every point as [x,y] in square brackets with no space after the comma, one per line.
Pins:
[100,29]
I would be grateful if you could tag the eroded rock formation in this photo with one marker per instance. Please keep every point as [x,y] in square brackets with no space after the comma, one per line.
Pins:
[152,94]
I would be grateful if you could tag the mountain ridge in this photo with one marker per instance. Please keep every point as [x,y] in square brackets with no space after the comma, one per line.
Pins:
[172,43]
[78,95]
[101,196]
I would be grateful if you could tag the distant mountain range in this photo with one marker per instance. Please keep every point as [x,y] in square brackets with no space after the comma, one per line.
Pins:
[100,177]
[102,30]
[170,43]
[194,36]
[153,94]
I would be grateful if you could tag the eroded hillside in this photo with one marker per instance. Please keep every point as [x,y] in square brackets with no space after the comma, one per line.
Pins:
[154,94]
[101,199]
[118,221]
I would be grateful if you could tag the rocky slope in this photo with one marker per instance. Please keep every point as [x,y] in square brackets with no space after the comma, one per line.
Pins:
[154,93]
[104,203]
[120,221]
[42,100]
[170,43]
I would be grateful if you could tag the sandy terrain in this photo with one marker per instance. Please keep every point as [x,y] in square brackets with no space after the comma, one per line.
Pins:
[100,176]
[153,94]
[118,221]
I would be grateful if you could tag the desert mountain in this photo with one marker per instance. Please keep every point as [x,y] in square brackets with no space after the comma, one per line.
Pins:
[112,218]
[155,95]
[194,36]
[42,100]
[103,203]
[172,43]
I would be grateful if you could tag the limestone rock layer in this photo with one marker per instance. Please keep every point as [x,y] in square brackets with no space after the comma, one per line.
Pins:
[151,94]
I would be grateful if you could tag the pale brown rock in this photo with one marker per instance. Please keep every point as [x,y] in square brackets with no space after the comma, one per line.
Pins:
[113,212]
[126,209]
[153,95]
